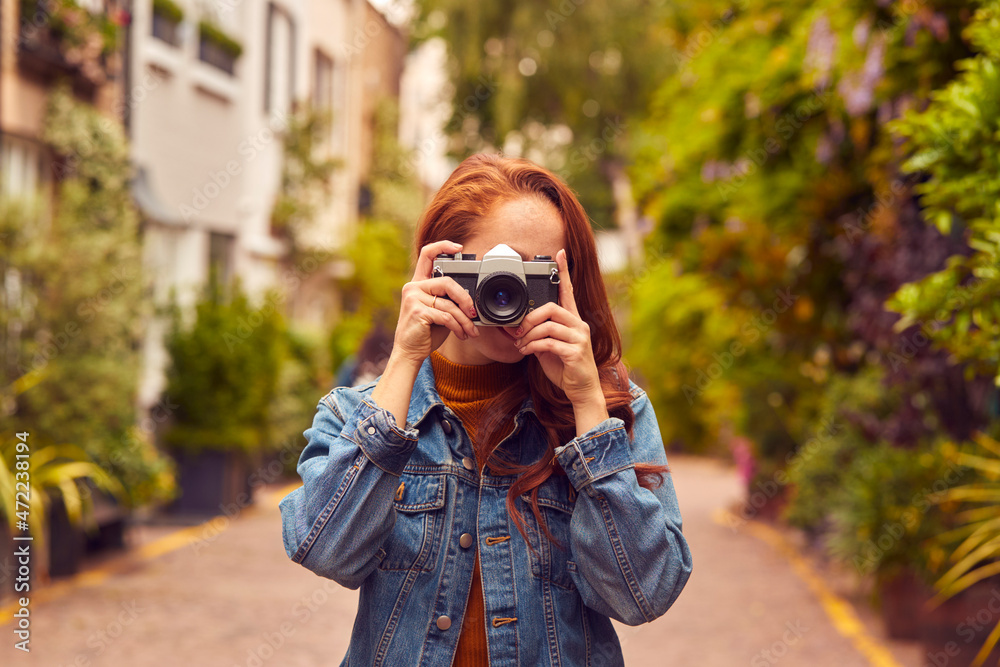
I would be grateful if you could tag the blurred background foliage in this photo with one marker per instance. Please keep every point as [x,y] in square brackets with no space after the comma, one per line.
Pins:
[953,142]
[380,253]
[818,188]
[223,376]
[842,153]
[74,304]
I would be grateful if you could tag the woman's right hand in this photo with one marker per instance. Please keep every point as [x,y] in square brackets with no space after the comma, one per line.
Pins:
[425,322]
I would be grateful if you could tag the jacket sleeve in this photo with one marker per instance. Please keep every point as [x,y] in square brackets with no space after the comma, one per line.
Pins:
[336,523]
[631,559]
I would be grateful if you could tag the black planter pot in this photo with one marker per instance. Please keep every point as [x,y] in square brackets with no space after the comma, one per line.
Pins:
[902,605]
[954,632]
[67,542]
[8,563]
[111,519]
[212,482]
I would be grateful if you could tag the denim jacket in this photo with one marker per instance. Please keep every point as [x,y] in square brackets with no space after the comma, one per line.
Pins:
[400,513]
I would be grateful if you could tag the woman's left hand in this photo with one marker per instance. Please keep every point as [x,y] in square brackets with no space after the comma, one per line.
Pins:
[560,340]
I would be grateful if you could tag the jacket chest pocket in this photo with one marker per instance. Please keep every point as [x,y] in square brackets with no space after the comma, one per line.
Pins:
[416,536]
[551,562]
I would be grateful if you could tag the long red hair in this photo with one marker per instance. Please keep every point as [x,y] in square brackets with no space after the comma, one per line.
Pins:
[479,184]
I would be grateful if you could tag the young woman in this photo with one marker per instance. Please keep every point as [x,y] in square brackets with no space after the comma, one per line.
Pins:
[499,492]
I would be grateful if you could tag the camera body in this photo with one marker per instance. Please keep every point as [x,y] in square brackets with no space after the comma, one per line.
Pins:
[503,287]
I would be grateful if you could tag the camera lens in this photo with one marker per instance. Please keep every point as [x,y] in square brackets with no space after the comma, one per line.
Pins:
[501,298]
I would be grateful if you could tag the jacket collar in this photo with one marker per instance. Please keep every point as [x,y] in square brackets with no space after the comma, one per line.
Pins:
[425,398]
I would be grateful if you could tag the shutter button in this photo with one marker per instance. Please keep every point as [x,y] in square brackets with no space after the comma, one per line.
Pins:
[468,463]
[443,622]
[465,540]
[446,425]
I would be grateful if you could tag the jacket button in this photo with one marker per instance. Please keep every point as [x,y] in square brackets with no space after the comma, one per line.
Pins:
[468,463]
[443,622]
[371,430]
[446,425]
[465,540]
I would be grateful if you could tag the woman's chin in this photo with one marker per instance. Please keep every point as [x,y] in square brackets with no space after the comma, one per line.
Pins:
[508,356]
[500,345]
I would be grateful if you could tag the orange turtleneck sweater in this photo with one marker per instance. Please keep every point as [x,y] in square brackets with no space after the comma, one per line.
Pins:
[466,390]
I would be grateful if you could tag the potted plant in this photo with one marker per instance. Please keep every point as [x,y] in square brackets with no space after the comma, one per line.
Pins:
[884,524]
[57,506]
[836,436]
[222,379]
[971,584]
[62,35]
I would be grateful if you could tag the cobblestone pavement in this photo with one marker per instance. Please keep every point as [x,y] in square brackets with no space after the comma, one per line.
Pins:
[224,594]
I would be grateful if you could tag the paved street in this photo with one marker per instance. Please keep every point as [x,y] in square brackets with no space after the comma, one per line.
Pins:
[225,594]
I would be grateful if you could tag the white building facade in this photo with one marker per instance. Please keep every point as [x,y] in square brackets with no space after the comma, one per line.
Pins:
[206,119]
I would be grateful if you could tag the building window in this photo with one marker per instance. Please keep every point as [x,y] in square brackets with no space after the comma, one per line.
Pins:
[24,167]
[323,75]
[217,48]
[323,84]
[330,94]
[279,71]
[220,256]
[167,17]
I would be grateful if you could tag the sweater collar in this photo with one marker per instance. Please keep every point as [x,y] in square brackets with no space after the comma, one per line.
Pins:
[465,383]
[425,397]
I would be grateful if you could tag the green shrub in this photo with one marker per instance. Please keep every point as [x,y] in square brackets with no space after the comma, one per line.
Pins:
[818,469]
[677,323]
[953,144]
[884,519]
[379,255]
[301,382]
[224,372]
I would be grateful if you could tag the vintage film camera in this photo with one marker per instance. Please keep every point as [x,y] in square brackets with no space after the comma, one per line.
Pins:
[503,287]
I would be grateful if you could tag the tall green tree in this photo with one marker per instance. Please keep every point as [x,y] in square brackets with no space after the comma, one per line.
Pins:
[73,289]
[567,80]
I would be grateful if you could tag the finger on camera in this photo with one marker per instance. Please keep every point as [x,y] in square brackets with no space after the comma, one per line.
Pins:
[557,347]
[445,319]
[425,262]
[446,286]
[447,305]
[553,330]
[566,298]
[548,311]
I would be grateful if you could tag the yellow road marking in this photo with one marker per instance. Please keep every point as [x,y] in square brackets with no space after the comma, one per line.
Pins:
[164,545]
[840,612]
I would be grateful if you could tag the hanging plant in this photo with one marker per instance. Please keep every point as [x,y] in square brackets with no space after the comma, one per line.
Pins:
[75,27]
